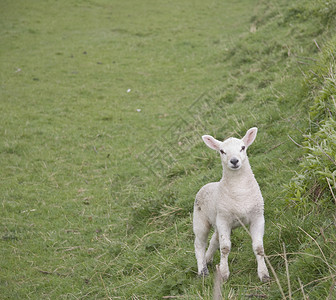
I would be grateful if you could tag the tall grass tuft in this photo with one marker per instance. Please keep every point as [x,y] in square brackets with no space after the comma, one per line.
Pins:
[316,181]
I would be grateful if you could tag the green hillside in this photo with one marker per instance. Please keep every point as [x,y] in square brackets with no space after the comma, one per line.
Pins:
[103,105]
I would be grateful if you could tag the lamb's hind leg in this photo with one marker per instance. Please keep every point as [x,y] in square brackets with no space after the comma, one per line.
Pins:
[201,231]
[213,246]
[257,233]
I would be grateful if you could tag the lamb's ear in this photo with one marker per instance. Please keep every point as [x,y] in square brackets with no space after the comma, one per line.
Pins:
[250,136]
[211,142]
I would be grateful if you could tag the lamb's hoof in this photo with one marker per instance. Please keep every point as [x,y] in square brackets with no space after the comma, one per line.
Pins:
[266,278]
[204,272]
[223,277]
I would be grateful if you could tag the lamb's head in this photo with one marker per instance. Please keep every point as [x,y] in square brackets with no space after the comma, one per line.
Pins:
[233,150]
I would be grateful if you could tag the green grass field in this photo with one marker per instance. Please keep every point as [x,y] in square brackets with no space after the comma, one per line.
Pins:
[103,104]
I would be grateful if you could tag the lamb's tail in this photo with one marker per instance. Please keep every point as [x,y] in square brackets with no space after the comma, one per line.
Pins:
[217,291]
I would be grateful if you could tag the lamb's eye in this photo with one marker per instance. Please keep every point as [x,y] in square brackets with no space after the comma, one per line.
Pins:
[242,148]
[222,151]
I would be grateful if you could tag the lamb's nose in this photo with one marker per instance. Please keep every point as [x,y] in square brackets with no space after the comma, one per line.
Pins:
[234,161]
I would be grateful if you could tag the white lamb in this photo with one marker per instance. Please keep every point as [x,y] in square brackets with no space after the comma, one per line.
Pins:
[233,201]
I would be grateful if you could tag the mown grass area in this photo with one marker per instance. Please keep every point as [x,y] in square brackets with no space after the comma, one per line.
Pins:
[103,104]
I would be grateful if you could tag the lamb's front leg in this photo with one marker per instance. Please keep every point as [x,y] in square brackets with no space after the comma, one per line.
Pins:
[200,246]
[201,230]
[257,233]
[224,232]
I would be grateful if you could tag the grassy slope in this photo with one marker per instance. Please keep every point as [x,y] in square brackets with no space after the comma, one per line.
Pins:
[70,129]
[83,214]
